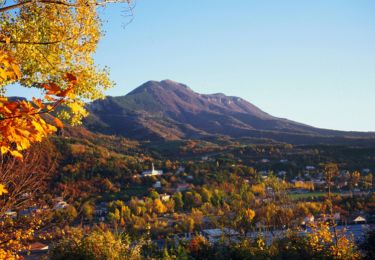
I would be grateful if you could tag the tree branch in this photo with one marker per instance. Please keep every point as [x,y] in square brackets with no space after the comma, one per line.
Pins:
[18,5]
[57,2]
[45,111]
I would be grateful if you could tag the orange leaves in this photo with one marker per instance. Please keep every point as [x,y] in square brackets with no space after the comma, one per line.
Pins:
[3,190]
[21,123]
[58,123]
[53,89]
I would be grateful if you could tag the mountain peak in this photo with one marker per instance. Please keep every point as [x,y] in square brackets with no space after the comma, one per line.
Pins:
[155,86]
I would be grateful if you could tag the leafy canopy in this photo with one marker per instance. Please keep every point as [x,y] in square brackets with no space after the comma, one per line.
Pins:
[47,45]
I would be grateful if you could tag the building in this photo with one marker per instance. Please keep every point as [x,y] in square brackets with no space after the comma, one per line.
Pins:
[11,214]
[359,220]
[214,235]
[152,172]
[310,168]
[180,170]
[308,219]
[165,197]
[157,185]
[60,205]
[183,187]
[37,246]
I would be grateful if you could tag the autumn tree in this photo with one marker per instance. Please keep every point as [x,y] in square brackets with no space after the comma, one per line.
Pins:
[330,171]
[49,46]
[354,180]
[26,180]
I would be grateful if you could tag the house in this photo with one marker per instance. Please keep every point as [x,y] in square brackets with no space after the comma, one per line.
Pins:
[359,220]
[60,205]
[308,219]
[157,185]
[182,187]
[318,182]
[37,246]
[165,197]
[180,170]
[11,214]
[152,172]
[101,209]
[214,235]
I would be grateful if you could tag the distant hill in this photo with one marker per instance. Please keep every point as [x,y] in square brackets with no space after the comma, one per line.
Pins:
[168,110]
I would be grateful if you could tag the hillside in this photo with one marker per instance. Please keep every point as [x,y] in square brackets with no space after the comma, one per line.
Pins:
[168,110]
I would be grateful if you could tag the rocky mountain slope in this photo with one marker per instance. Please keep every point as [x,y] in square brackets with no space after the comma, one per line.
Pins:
[168,110]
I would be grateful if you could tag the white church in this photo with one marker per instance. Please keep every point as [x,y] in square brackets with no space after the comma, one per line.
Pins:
[152,172]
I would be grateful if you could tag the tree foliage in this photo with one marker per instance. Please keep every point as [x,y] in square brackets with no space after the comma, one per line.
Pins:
[49,46]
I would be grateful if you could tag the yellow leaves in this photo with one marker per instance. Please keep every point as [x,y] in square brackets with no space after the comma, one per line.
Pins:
[7,255]
[258,188]
[159,207]
[3,190]
[16,234]
[330,243]
[53,46]
[308,185]
[249,215]
[21,125]
[9,70]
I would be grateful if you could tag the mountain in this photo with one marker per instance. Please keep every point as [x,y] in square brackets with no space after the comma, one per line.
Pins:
[168,110]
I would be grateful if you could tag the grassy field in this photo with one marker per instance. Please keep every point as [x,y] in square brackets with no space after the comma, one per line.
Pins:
[308,195]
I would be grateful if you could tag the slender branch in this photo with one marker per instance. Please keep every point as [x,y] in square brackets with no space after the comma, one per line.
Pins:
[37,43]
[57,2]
[45,111]
[11,7]
[18,5]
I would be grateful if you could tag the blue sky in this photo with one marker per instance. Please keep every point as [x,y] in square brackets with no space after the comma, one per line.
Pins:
[309,61]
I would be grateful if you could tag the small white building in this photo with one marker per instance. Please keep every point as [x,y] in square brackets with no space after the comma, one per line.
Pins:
[308,219]
[60,205]
[180,170]
[11,214]
[359,220]
[152,172]
[165,197]
[157,185]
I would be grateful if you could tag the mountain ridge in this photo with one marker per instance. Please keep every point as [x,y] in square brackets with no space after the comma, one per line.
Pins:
[168,110]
